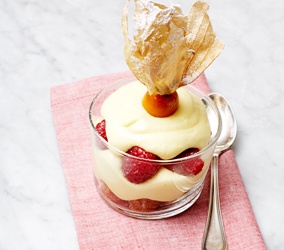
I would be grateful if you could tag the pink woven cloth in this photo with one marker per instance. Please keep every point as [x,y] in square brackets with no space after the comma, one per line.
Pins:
[99,227]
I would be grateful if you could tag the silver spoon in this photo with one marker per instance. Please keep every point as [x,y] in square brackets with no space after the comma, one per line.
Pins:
[214,236]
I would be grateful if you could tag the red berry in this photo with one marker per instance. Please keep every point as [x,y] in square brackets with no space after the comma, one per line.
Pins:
[110,195]
[139,170]
[144,205]
[141,153]
[188,167]
[188,152]
[101,129]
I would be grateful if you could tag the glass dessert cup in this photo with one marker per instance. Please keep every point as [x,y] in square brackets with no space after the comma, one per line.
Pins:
[167,193]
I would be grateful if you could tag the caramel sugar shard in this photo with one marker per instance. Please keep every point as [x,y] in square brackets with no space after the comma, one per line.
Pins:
[168,49]
[201,38]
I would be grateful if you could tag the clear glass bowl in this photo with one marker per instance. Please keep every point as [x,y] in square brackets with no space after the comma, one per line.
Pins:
[156,198]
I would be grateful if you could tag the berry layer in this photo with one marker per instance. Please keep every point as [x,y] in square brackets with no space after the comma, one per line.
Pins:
[165,186]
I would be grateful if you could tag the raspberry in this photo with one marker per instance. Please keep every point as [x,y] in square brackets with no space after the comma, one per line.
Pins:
[101,129]
[136,170]
[188,167]
[144,205]
[111,196]
[141,153]
[140,205]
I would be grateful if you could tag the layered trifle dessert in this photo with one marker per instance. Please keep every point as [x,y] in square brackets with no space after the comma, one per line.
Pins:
[154,135]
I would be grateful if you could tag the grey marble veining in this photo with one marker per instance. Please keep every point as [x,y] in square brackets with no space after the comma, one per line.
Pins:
[46,43]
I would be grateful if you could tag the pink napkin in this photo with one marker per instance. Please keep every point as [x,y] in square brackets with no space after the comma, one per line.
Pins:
[99,227]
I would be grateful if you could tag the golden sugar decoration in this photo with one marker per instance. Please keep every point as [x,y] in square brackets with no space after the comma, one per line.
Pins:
[169,49]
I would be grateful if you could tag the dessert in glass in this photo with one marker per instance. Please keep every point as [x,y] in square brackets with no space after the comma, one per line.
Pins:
[154,135]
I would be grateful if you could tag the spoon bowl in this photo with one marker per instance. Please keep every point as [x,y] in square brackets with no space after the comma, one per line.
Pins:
[214,235]
[229,124]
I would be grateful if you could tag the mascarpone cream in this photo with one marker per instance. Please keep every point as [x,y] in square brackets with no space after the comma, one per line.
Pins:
[128,125]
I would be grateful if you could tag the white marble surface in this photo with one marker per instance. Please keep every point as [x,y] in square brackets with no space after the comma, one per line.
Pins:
[46,43]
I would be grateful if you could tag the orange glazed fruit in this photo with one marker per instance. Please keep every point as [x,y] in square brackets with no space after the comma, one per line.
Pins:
[160,105]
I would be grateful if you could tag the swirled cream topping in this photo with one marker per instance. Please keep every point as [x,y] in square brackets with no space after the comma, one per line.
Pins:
[128,124]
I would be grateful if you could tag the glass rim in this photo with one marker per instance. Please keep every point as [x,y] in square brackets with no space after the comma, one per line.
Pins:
[164,161]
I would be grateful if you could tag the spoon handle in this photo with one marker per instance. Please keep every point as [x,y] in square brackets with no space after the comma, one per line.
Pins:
[214,236]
